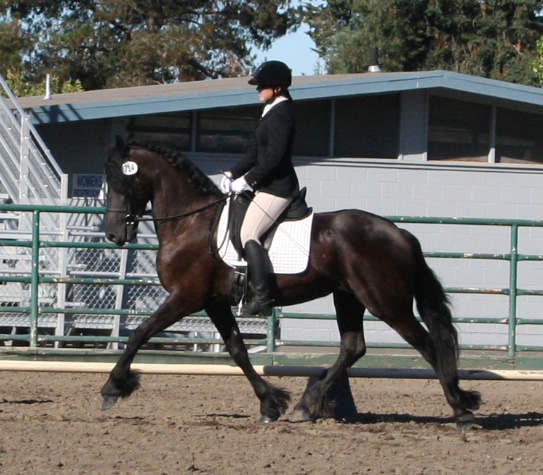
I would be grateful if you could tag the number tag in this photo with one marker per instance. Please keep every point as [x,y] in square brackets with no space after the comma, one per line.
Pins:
[130,168]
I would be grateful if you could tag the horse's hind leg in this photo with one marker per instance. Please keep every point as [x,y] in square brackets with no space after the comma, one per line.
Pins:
[314,403]
[440,352]
[273,400]
[439,345]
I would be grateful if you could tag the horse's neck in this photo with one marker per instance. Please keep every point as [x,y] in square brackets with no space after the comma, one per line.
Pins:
[174,198]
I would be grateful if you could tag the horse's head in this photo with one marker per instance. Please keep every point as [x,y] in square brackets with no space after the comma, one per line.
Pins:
[126,195]
[138,173]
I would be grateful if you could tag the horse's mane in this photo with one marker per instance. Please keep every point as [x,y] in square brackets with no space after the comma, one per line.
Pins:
[198,179]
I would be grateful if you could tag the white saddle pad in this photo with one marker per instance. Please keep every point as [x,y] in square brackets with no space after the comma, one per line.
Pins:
[289,251]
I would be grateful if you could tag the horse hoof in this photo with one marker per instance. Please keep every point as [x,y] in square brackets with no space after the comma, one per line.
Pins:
[266,419]
[466,421]
[108,402]
[298,415]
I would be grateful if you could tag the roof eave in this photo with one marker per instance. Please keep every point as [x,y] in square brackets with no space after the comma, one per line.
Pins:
[303,88]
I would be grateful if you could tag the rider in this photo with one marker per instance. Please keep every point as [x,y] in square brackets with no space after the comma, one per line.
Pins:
[266,169]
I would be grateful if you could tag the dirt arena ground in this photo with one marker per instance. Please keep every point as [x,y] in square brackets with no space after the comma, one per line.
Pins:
[51,423]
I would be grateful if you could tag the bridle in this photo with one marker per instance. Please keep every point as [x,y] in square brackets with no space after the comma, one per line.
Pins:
[133,219]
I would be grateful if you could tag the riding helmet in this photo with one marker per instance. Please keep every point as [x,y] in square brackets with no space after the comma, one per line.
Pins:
[272,74]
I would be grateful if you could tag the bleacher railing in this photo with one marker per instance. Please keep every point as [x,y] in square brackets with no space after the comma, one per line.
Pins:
[28,171]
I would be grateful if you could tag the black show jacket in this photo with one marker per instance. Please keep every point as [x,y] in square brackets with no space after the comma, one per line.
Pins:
[267,164]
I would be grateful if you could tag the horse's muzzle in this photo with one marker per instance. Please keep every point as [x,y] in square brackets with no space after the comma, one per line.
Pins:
[116,239]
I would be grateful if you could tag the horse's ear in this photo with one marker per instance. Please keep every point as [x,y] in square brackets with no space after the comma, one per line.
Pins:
[119,143]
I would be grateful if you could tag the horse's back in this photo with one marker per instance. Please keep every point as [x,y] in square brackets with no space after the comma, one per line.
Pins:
[356,225]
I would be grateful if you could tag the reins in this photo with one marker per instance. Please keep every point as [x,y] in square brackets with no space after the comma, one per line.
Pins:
[132,219]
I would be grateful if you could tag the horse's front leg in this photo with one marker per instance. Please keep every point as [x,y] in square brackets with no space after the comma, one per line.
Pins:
[122,382]
[273,400]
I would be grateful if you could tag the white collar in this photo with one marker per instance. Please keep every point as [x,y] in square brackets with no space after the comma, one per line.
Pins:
[276,101]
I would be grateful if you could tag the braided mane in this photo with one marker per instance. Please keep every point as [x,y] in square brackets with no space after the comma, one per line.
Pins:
[198,179]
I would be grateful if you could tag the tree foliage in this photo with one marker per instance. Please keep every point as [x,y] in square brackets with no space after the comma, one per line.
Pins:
[114,43]
[493,39]
[537,64]
[22,89]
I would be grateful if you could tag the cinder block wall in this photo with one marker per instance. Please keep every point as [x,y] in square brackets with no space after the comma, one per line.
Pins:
[396,188]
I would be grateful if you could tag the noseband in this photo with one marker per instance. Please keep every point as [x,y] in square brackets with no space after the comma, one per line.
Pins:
[129,219]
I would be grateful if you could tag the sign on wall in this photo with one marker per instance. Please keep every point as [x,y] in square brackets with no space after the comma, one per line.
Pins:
[87,185]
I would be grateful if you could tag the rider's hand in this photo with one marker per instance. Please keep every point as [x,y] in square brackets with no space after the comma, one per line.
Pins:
[240,185]
[226,183]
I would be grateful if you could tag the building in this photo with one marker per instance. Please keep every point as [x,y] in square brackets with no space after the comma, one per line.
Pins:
[434,143]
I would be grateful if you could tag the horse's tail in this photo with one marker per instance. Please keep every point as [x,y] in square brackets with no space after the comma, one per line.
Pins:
[434,308]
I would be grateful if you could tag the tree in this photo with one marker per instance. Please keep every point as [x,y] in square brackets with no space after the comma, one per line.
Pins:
[114,43]
[23,89]
[537,64]
[493,39]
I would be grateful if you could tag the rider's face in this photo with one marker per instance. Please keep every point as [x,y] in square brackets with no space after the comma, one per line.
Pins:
[266,93]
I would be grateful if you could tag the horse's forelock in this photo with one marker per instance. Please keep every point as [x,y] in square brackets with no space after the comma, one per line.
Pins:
[113,169]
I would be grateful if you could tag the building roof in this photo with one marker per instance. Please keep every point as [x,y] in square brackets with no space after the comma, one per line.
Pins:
[216,93]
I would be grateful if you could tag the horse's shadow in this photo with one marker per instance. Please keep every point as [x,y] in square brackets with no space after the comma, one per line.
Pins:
[344,409]
[489,422]
[26,401]
[484,422]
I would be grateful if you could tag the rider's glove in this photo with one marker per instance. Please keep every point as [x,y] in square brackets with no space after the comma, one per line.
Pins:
[226,183]
[240,185]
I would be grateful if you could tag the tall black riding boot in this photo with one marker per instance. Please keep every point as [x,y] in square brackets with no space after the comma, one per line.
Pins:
[258,268]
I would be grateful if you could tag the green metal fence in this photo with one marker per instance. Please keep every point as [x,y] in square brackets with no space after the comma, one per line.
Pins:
[512,291]
[271,340]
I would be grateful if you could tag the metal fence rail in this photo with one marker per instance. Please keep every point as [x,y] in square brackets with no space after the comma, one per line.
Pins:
[94,295]
[53,321]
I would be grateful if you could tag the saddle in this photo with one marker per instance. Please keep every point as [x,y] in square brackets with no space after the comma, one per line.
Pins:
[296,210]
[288,250]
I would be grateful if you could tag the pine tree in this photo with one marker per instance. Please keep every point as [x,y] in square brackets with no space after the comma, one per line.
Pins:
[493,39]
[112,43]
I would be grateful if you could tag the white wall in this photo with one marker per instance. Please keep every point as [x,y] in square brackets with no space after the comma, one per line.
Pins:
[446,189]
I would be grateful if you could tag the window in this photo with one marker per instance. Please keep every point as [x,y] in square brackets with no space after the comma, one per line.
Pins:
[226,130]
[458,130]
[170,130]
[312,128]
[518,137]
[367,126]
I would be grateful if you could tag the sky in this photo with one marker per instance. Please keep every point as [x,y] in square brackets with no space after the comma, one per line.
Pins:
[294,49]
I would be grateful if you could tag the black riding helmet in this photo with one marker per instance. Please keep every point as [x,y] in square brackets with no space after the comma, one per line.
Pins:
[272,74]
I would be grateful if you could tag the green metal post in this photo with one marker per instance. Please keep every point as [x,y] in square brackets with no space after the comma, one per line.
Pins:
[34,302]
[270,337]
[513,268]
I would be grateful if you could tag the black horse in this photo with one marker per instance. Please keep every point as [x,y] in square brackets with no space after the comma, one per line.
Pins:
[364,260]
